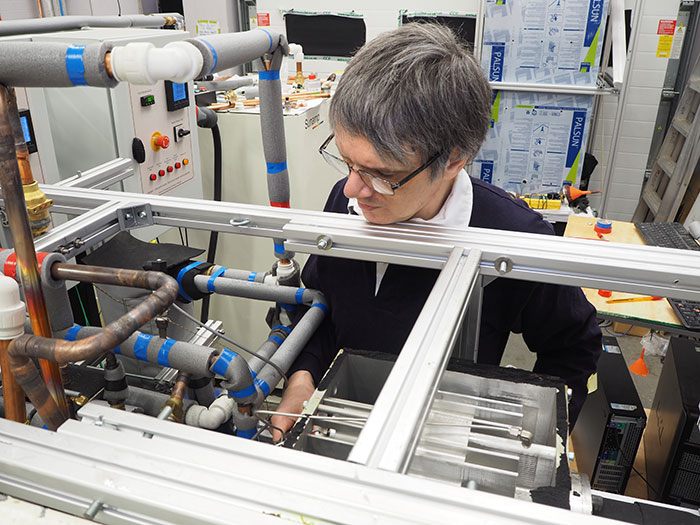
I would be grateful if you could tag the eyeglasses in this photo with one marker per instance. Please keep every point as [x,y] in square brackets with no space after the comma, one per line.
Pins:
[379,184]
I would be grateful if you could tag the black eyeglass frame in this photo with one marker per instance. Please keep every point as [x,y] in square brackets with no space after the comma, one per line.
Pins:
[393,185]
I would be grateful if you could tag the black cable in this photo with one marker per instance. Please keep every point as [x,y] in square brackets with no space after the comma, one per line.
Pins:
[119,5]
[631,464]
[214,235]
[228,340]
[182,238]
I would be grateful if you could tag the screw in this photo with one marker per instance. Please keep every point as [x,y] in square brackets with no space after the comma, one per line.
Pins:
[128,216]
[142,214]
[93,509]
[324,242]
[78,242]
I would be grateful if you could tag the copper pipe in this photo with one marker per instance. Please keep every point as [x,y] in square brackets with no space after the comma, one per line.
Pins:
[62,351]
[13,199]
[21,149]
[180,386]
[15,409]
[41,9]
[108,64]
[177,395]
[36,202]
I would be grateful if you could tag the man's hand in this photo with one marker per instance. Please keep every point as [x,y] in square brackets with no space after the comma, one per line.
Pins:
[299,389]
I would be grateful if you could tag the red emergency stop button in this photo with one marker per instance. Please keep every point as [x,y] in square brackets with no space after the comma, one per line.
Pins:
[163,141]
[153,176]
[178,165]
[170,169]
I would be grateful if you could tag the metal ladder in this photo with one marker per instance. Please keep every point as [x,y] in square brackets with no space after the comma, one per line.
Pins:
[674,166]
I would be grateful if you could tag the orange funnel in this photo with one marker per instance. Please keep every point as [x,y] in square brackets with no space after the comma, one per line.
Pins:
[639,367]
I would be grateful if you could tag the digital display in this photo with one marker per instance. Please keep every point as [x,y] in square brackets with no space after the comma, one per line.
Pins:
[25,120]
[179,92]
[25,129]
[176,96]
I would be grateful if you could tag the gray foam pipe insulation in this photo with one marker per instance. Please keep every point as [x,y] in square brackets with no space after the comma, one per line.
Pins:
[187,357]
[284,356]
[50,24]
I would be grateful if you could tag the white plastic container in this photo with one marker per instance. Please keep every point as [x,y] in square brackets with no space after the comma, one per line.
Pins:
[313,84]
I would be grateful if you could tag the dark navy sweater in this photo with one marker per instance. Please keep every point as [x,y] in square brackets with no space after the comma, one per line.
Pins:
[557,322]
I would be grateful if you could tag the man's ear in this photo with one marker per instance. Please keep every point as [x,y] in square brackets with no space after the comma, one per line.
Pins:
[454,165]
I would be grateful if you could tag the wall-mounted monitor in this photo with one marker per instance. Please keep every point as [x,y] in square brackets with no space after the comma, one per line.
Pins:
[326,34]
[464,25]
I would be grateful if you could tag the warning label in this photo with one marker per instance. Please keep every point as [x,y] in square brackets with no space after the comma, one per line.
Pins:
[264,20]
[666,27]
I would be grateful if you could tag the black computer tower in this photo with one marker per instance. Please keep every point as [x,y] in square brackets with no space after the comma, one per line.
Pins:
[609,428]
[672,438]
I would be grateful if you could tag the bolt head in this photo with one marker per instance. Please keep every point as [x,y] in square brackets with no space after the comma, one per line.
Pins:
[128,216]
[142,214]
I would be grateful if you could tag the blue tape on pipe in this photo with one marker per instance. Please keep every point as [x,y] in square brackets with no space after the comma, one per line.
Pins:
[276,167]
[322,306]
[246,434]
[299,295]
[252,276]
[279,248]
[270,37]
[217,273]
[287,307]
[182,273]
[283,328]
[247,391]
[213,54]
[72,333]
[224,360]
[269,75]
[117,350]
[164,352]
[276,339]
[75,66]
[141,346]
[262,385]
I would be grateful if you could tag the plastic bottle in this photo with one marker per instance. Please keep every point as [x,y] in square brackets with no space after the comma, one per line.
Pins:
[313,84]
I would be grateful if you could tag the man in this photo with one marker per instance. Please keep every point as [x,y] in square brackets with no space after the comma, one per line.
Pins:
[411,109]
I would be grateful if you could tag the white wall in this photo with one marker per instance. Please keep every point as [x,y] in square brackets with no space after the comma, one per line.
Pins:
[638,117]
[378,16]
[18,9]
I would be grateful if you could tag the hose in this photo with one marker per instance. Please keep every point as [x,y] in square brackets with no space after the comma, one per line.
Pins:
[214,235]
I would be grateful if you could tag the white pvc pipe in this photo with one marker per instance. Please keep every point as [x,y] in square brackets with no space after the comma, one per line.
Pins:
[143,63]
[213,417]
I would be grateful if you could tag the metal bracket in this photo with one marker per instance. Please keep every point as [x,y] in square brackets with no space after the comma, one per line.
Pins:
[135,217]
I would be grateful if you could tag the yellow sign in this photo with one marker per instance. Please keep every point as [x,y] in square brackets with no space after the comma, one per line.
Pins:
[663,50]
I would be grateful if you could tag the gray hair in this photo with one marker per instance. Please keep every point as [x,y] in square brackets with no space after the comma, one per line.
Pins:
[415,90]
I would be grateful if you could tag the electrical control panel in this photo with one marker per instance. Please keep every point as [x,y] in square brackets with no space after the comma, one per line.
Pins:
[153,125]
[162,143]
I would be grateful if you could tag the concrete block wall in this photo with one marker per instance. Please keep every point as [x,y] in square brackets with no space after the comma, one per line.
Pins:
[638,116]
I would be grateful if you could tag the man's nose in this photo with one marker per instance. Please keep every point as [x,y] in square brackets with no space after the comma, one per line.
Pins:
[356,188]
